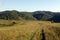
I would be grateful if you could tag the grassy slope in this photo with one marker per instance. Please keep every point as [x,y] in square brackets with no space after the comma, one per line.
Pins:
[30,30]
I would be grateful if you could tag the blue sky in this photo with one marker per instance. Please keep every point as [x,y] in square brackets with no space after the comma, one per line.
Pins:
[30,5]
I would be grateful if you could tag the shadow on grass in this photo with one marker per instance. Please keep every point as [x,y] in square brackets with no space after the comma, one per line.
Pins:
[11,24]
[43,35]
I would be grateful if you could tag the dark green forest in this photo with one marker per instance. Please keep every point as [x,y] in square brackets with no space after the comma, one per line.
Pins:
[37,15]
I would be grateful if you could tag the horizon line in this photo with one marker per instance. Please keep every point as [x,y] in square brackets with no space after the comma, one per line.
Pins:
[28,11]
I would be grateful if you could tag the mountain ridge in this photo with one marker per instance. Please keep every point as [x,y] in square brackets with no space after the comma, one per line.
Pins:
[37,15]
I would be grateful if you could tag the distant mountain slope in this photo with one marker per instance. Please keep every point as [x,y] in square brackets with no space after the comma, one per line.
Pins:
[26,16]
[47,16]
[9,15]
[43,15]
[37,15]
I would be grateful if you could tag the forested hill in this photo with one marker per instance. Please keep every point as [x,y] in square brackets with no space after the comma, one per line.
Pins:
[37,15]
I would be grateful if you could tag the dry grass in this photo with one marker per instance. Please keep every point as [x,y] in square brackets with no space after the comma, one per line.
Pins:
[5,23]
[30,30]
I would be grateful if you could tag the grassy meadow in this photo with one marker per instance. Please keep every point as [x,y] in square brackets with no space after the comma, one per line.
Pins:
[29,30]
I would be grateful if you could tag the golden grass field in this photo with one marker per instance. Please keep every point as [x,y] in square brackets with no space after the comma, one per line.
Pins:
[29,30]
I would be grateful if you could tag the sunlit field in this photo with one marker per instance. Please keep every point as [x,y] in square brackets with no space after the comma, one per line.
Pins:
[29,30]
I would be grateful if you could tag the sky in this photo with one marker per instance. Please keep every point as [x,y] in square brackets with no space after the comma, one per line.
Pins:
[30,5]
